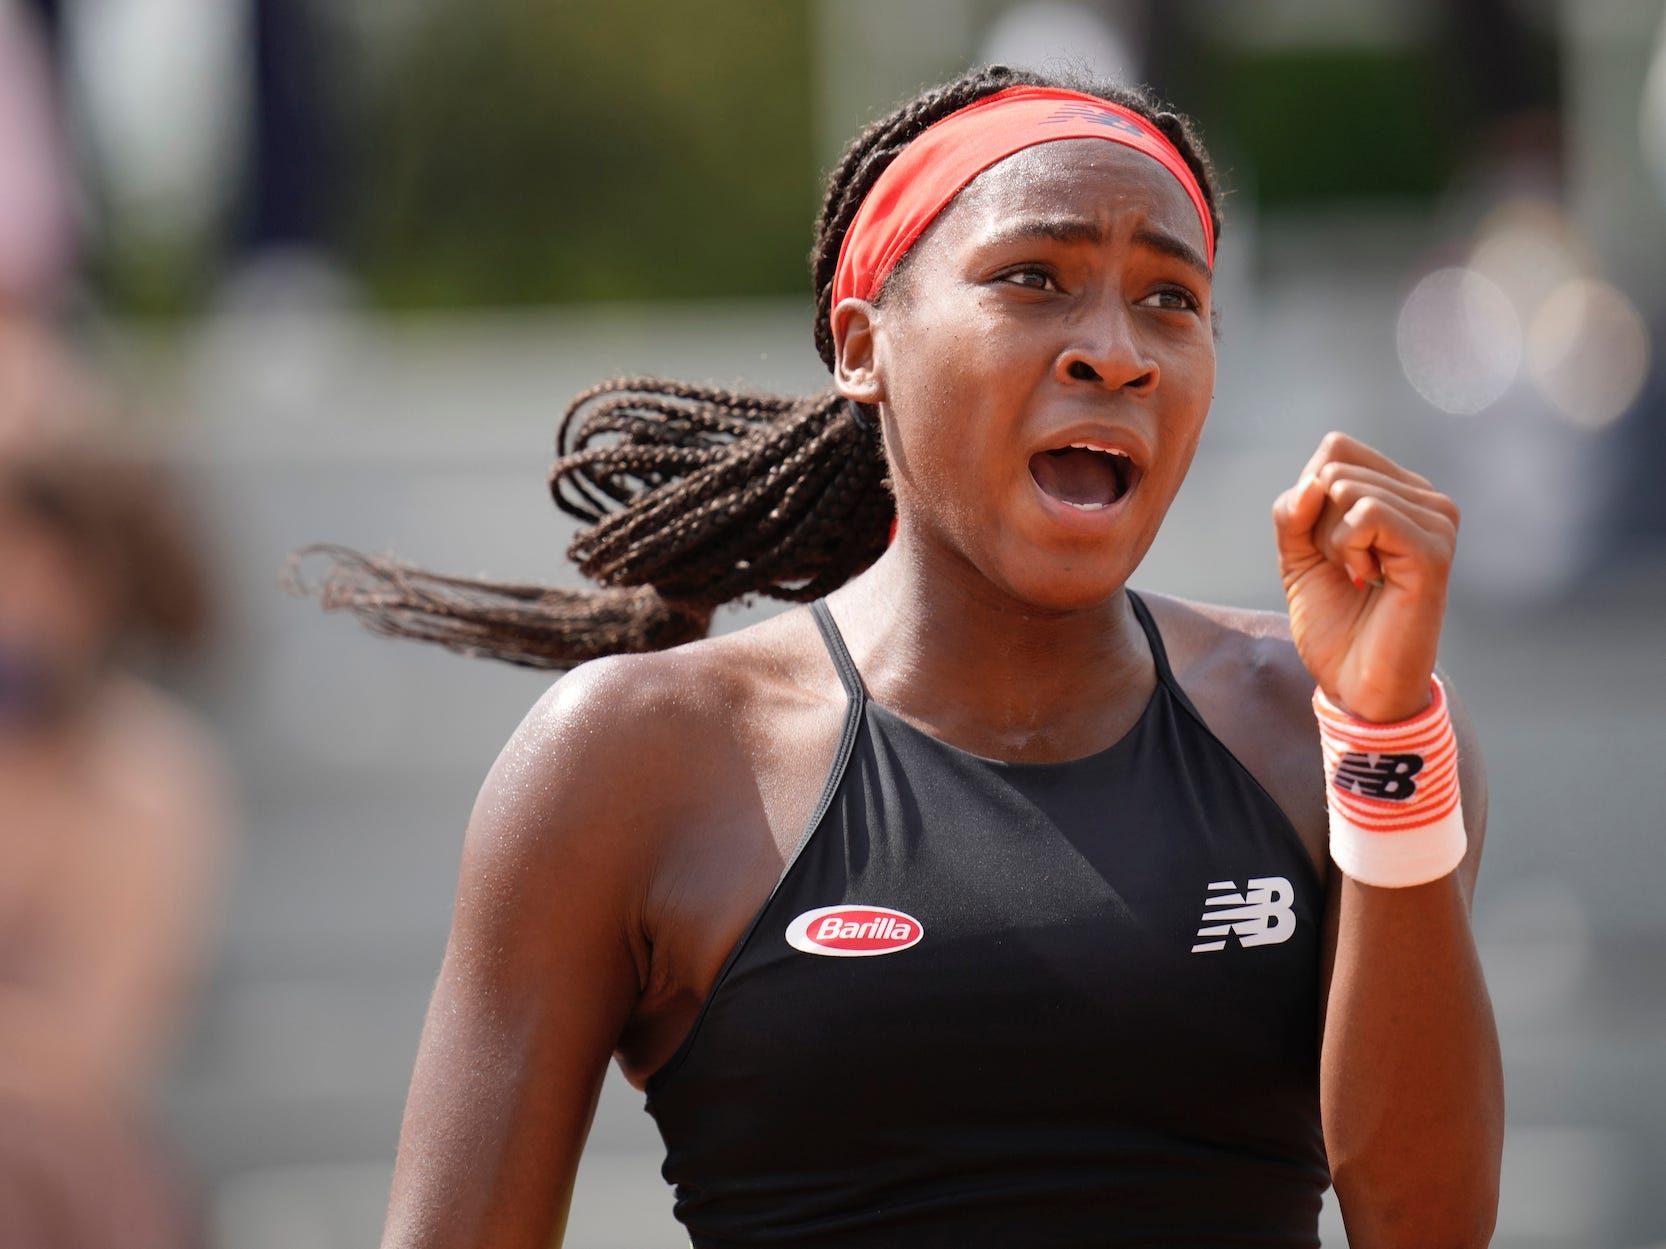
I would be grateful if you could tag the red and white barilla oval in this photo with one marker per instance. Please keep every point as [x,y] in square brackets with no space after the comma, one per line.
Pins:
[854,931]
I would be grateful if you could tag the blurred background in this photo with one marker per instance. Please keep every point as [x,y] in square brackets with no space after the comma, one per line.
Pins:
[329,270]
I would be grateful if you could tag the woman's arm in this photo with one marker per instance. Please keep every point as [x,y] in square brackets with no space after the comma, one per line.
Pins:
[545,963]
[1410,1074]
[1411,1085]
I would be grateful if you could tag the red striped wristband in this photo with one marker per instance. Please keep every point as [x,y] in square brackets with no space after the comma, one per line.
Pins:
[1392,789]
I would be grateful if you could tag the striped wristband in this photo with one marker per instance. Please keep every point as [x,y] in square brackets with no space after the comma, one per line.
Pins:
[1392,789]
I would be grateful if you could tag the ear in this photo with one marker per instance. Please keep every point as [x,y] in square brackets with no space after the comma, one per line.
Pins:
[856,369]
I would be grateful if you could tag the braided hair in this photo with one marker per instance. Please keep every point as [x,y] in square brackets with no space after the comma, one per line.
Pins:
[694,496]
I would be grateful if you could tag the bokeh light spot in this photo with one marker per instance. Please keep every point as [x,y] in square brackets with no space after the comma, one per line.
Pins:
[1588,352]
[1459,340]
[1529,247]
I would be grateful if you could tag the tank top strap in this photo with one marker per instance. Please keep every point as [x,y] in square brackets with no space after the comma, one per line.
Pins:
[855,716]
[839,653]
[1160,655]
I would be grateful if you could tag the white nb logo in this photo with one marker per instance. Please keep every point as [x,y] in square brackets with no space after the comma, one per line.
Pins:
[1261,915]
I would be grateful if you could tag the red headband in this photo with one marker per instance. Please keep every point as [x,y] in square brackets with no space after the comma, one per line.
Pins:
[937,165]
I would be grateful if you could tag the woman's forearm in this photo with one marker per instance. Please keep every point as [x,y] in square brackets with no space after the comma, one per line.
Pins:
[1412,1089]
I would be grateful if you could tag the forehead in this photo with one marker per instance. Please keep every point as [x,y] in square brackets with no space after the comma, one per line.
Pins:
[1088,179]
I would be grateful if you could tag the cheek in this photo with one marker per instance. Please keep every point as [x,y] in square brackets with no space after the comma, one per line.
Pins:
[935,394]
[952,373]
[1191,382]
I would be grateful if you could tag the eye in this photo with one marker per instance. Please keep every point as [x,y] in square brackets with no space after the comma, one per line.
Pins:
[1171,299]
[1030,277]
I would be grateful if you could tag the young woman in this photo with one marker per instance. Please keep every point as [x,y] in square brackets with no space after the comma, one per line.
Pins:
[986,902]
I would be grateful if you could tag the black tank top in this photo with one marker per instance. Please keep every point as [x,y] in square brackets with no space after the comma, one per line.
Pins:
[1016,1005]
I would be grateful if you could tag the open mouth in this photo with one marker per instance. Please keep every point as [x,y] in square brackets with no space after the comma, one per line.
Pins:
[1083,477]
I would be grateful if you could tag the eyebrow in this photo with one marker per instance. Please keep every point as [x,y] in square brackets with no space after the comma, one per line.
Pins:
[1081,230]
[1176,247]
[1058,229]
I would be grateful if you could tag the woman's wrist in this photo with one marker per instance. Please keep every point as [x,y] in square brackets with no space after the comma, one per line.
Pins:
[1396,816]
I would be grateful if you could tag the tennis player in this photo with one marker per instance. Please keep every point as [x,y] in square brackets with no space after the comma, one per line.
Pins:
[985,901]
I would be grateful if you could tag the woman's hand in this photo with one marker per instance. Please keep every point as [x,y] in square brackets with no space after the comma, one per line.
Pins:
[1364,550]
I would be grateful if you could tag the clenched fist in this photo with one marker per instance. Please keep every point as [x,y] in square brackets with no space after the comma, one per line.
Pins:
[1365,548]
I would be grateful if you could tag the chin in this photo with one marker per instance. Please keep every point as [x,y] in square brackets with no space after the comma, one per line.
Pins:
[1074,565]
[1065,584]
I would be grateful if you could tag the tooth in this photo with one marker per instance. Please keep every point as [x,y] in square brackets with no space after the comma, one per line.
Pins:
[1088,446]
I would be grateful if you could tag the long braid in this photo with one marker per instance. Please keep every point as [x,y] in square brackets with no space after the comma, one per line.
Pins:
[694,496]
[697,481]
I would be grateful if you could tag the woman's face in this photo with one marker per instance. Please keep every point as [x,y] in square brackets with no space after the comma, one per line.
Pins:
[1044,363]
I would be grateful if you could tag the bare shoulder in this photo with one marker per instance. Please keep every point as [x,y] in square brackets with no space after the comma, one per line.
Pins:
[610,715]
[1246,652]
[641,798]
[644,745]
[573,819]
[1241,671]
[605,748]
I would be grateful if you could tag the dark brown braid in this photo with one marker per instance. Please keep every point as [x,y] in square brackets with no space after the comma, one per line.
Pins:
[694,496]
[707,495]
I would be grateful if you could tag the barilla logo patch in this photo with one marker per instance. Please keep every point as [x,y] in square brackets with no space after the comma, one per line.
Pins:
[851,931]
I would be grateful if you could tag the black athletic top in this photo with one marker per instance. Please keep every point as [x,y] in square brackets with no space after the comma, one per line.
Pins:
[1016,1005]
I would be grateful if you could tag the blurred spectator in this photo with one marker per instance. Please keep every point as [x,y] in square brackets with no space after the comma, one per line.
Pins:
[112,816]
[111,800]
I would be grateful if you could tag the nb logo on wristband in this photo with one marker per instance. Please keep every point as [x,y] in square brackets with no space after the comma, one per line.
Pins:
[1378,776]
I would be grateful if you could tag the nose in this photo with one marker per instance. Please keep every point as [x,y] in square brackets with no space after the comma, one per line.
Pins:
[1104,349]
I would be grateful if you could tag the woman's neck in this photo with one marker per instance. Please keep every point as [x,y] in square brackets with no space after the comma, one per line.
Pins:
[952,653]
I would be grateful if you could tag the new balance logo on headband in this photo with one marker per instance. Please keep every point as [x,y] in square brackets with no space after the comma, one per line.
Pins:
[1378,776]
[1086,112]
[1260,915]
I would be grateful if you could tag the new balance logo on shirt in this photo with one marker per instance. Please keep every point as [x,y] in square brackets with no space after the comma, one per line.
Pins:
[1260,915]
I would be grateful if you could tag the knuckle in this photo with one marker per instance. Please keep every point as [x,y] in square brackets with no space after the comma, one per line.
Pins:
[1438,542]
[1335,472]
[1368,508]
[1348,494]
[1334,441]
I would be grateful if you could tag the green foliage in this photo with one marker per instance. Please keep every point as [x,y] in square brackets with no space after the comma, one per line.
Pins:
[531,151]
[1334,123]
[158,279]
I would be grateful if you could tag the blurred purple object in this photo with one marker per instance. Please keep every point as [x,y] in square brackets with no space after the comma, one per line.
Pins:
[36,224]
